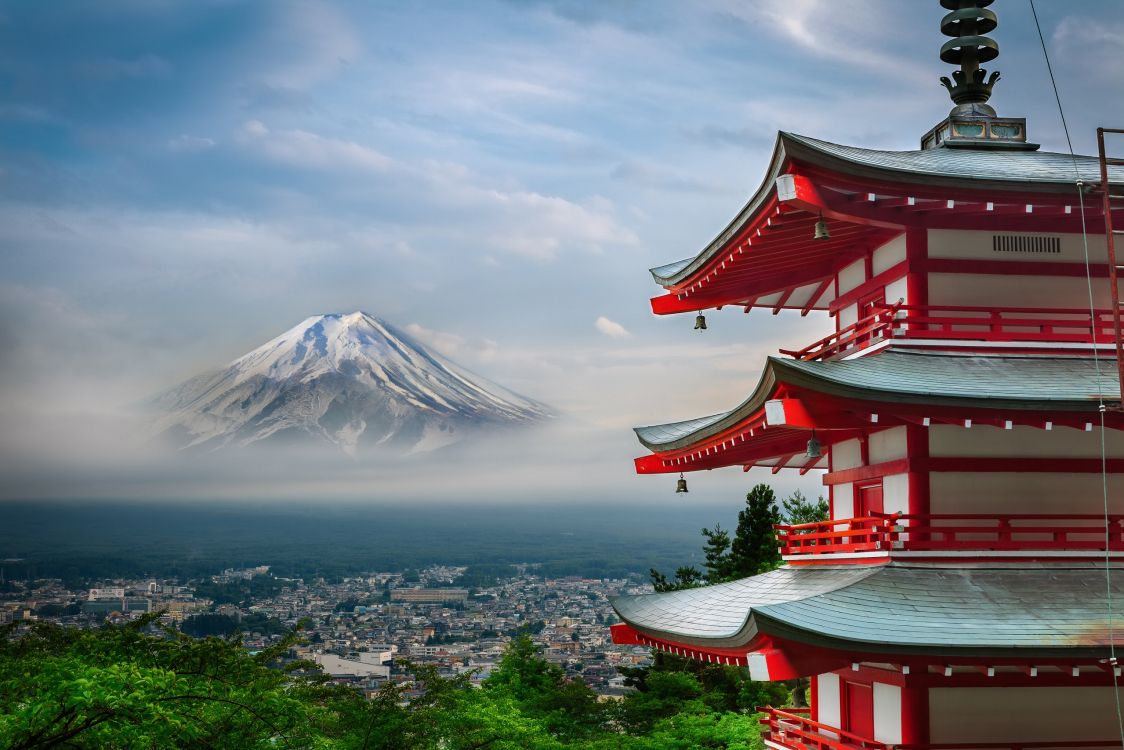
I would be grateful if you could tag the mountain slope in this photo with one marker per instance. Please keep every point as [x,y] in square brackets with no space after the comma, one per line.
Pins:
[352,380]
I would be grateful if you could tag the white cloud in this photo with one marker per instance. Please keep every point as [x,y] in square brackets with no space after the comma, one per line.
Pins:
[611,328]
[300,148]
[829,28]
[446,343]
[519,221]
[185,143]
[1075,35]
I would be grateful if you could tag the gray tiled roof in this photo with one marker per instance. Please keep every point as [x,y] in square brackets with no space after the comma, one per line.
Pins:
[895,607]
[1001,169]
[666,433]
[971,164]
[912,377]
[1032,379]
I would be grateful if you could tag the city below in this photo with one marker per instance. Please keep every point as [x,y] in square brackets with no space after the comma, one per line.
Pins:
[366,630]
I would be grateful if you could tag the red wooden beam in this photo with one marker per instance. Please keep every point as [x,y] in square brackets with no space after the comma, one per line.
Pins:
[875,471]
[783,462]
[798,190]
[810,464]
[879,281]
[666,304]
[780,303]
[819,292]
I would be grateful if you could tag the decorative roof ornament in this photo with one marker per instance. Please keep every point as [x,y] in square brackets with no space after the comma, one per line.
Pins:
[973,123]
[968,22]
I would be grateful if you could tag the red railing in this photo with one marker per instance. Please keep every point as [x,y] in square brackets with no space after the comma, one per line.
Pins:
[1010,533]
[966,532]
[793,728]
[864,534]
[871,327]
[1030,325]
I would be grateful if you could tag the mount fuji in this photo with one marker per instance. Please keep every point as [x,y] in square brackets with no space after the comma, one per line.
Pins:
[354,381]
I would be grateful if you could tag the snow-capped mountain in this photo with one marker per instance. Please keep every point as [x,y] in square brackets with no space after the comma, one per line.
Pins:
[352,380]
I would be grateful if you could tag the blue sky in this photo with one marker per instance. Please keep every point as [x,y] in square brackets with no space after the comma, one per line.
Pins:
[181,181]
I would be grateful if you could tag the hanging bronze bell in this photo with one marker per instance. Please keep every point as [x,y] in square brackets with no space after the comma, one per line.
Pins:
[681,485]
[822,232]
[700,323]
[815,448]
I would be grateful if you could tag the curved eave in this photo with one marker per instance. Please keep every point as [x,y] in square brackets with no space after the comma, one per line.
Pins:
[888,383]
[1046,173]
[684,269]
[1040,610]
[685,434]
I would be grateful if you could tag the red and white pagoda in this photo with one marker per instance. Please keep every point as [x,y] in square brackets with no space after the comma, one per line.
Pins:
[968,590]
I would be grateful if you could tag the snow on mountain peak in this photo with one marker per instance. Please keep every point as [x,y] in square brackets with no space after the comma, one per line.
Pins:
[352,379]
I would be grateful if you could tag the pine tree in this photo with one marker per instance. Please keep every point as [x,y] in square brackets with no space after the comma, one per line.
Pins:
[686,577]
[754,547]
[799,509]
[717,550]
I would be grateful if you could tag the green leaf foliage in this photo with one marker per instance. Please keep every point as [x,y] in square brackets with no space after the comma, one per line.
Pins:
[143,686]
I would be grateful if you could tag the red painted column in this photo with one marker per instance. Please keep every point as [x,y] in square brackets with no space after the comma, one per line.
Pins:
[916,255]
[915,714]
[917,448]
[830,487]
[814,697]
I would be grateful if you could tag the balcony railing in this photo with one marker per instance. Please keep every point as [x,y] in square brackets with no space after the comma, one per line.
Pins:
[986,325]
[864,534]
[793,728]
[953,532]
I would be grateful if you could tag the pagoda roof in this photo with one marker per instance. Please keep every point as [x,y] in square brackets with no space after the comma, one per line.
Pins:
[939,173]
[893,376]
[1054,610]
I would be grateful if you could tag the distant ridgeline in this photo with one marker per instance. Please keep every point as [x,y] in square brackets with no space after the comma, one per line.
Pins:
[82,541]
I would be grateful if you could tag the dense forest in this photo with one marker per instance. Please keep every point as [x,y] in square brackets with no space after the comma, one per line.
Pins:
[140,686]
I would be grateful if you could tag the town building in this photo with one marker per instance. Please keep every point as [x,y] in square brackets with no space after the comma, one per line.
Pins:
[967,590]
[429,596]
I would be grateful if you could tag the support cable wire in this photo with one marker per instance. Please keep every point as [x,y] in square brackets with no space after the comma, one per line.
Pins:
[1101,408]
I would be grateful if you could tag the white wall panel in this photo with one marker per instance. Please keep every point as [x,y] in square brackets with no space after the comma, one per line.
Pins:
[977,290]
[887,713]
[1028,492]
[843,501]
[896,290]
[851,276]
[889,255]
[895,493]
[846,454]
[828,702]
[1023,442]
[1021,714]
[977,245]
[888,445]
